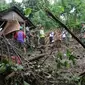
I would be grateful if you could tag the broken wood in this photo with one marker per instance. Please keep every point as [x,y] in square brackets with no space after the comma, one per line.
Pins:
[10,75]
[82,74]
[38,57]
[6,40]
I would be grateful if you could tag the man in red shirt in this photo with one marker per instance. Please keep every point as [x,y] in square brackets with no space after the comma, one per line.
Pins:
[20,36]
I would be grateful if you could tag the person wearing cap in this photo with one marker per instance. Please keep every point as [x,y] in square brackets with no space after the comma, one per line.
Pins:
[20,36]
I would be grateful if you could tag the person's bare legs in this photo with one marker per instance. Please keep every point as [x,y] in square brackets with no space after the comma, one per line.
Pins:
[24,50]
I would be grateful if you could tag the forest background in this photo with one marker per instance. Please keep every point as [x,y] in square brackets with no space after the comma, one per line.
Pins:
[70,12]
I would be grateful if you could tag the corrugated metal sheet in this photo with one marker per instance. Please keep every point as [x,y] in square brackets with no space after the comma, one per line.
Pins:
[12,16]
[11,26]
[14,13]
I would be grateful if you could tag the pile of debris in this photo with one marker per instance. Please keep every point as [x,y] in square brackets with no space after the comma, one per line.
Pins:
[16,69]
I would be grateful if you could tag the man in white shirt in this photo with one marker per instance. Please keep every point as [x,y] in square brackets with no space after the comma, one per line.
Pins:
[51,37]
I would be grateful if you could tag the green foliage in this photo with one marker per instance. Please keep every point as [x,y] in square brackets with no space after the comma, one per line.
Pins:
[41,18]
[60,55]
[65,62]
[70,56]
[2,68]
[17,67]
[8,65]
[35,8]
[3,6]
[75,78]
[57,9]
[27,11]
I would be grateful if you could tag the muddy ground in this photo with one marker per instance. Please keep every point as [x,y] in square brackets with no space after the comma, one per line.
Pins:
[41,62]
[48,62]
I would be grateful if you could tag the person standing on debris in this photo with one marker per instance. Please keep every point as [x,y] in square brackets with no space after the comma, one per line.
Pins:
[28,36]
[35,39]
[64,36]
[58,39]
[42,36]
[51,37]
[20,36]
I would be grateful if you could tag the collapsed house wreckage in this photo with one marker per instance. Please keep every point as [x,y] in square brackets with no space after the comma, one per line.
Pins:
[10,21]
[11,18]
[12,60]
[15,69]
[11,73]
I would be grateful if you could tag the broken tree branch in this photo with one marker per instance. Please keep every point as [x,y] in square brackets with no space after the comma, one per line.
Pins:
[63,25]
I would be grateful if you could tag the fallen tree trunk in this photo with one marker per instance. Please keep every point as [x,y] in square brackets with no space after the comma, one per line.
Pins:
[38,57]
[10,75]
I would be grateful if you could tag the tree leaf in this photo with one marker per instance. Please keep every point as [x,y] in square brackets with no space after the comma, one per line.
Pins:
[27,11]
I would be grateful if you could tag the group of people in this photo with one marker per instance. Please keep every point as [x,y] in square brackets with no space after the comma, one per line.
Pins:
[29,37]
[36,37]
[60,35]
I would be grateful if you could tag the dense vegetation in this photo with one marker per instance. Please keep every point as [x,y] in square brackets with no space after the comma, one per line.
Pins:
[71,12]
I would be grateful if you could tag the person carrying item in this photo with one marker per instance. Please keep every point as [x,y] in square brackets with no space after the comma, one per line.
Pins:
[20,36]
